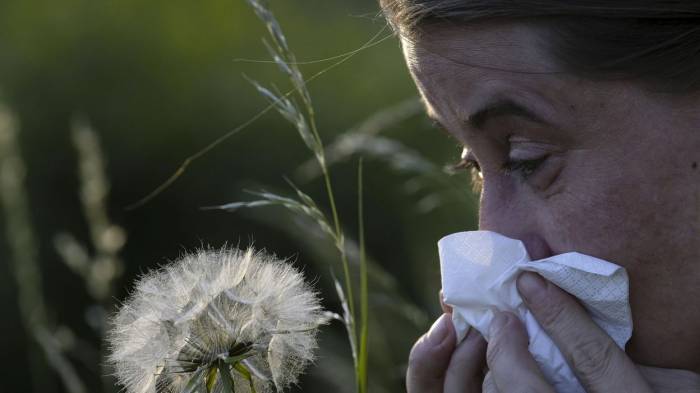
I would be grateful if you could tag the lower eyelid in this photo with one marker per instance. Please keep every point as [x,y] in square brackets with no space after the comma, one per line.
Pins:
[515,165]
[549,173]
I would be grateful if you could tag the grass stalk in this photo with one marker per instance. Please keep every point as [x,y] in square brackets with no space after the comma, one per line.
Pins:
[43,352]
[303,118]
[364,292]
[340,244]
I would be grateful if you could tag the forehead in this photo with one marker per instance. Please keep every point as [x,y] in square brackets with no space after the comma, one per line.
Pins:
[508,46]
[456,68]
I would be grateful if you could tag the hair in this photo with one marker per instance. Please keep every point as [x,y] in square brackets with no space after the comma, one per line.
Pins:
[656,42]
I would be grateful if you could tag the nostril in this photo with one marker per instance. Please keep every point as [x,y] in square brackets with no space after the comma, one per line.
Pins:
[536,246]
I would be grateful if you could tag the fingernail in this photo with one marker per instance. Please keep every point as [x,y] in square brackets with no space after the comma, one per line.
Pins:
[445,308]
[499,320]
[530,285]
[439,330]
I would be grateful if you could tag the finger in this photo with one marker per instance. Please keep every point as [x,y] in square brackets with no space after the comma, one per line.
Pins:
[671,380]
[445,308]
[430,357]
[599,364]
[465,372]
[513,368]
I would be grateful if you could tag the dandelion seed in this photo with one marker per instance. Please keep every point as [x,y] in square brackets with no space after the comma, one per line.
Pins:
[216,321]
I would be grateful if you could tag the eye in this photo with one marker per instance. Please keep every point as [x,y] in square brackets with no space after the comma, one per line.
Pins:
[525,168]
[468,163]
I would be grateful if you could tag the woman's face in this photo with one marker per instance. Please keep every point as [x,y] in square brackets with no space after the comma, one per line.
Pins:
[607,169]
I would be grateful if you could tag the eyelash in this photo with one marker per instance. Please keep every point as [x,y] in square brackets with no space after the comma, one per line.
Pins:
[473,168]
[525,167]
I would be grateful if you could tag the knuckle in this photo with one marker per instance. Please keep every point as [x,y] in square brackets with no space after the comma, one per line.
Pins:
[503,341]
[495,350]
[554,313]
[489,385]
[591,359]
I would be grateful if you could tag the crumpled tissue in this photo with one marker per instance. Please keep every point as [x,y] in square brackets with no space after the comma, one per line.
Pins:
[479,270]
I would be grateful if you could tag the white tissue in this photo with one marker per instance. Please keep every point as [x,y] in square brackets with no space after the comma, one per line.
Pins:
[479,270]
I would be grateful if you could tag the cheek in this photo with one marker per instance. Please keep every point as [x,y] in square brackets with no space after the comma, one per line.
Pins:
[594,218]
[631,219]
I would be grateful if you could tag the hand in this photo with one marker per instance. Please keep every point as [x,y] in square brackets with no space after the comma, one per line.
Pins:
[438,365]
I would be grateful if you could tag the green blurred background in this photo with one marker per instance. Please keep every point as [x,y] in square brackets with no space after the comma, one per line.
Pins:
[158,81]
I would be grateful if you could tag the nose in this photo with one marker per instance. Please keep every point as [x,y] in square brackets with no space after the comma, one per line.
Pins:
[516,218]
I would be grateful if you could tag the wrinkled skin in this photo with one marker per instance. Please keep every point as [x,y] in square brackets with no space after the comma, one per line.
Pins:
[620,178]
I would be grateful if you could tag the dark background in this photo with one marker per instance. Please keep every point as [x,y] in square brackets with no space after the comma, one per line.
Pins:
[158,80]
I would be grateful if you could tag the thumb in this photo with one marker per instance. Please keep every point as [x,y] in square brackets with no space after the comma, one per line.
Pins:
[430,357]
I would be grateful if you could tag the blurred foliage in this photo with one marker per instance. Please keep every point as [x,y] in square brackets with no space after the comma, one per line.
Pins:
[159,80]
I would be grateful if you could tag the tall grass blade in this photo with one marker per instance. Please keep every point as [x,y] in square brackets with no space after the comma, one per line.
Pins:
[182,168]
[306,207]
[290,111]
[347,318]
[309,125]
[345,145]
[304,121]
[364,292]
[24,265]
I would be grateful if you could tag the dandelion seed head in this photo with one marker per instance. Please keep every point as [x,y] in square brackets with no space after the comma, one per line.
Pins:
[214,305]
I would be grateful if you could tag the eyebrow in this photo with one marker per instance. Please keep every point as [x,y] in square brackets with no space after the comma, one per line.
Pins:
[502,108]
[499,108]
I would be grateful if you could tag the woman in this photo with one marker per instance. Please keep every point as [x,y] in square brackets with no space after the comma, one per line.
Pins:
[582,119]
